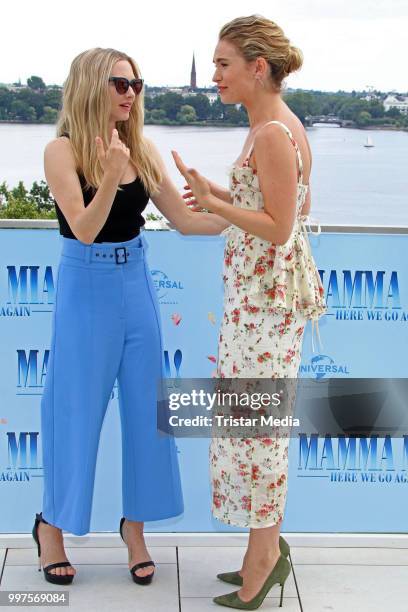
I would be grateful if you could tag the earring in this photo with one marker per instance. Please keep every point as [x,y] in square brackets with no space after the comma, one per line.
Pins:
[258,78]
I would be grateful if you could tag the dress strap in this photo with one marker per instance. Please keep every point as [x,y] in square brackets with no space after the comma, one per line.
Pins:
[293,141]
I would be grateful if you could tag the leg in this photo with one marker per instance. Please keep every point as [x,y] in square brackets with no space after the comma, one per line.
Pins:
[84,359]
[260,558]
[150,475]
[263,547]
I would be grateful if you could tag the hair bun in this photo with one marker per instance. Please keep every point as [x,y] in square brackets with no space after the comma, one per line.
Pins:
[294,60]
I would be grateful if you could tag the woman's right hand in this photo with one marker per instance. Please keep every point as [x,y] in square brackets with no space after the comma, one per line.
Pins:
[116,158]
[189,197]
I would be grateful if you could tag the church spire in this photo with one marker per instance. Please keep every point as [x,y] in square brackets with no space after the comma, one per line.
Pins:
[193,79]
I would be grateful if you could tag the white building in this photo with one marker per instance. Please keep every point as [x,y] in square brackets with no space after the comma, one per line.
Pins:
[400,102]
[212,96]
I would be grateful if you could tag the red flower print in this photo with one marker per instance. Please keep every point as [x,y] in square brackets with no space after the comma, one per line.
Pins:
[236,314]
[253,309]
[259,269]
[228,257]
[246,503]
[255,472]
[217,500]
[264,510]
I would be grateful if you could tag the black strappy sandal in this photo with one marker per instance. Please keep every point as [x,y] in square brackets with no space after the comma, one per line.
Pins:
[138,579]
[47,575]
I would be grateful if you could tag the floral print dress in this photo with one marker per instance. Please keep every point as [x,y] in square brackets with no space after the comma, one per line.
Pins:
[270,291]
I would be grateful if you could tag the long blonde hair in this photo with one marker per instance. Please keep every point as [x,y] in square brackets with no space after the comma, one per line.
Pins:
[85,115]
[255,36]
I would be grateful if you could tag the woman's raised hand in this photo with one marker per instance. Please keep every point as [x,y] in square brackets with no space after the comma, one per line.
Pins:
[116,158]
[199,187]
[190,199]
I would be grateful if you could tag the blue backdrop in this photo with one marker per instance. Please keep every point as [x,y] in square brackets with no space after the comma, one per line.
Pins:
[364,334]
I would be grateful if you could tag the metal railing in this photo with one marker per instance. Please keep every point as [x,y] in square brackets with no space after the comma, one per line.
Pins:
[152,225]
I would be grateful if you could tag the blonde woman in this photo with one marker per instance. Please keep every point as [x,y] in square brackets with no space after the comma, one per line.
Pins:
[272,287]
[106,323]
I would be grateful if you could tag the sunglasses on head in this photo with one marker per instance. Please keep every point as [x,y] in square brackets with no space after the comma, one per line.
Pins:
[122,84]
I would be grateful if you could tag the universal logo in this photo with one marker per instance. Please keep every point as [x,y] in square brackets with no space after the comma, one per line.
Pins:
[166,287]
[322,365]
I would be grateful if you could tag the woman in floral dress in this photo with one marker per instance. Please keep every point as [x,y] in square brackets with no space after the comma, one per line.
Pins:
[271,283]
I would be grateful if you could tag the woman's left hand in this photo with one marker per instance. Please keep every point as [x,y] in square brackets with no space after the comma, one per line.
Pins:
[199,186]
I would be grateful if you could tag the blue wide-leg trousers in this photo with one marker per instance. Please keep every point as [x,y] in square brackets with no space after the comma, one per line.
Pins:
[106,326]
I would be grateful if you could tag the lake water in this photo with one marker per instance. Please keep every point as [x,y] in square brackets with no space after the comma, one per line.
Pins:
[350,184]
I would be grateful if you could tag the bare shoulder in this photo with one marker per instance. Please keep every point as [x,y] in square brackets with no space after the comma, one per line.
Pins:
[155,153]
[151,147]
[59,150]
[299,133]
[272,141]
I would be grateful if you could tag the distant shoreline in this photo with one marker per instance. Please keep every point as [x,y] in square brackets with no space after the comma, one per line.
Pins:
[387,128]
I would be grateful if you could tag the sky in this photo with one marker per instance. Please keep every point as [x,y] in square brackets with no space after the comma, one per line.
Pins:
[347,44]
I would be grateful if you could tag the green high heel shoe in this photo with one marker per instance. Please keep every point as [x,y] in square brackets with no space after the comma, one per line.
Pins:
[277,576]
[236,578]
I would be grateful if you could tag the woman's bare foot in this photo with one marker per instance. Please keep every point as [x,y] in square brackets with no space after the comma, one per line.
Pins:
[244,565]
[134,538]
[52,549]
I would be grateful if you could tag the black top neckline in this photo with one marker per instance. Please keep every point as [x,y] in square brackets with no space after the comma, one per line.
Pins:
[131,182]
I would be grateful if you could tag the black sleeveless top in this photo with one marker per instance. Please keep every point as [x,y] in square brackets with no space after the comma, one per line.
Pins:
[125,217]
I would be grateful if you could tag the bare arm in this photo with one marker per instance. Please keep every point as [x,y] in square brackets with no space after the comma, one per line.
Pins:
[62,178]
[307,204]
[308,199]
[220,192]
[277,173]
[171,204]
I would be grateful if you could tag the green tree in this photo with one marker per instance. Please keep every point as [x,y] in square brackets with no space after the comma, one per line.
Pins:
[303,104]
[35,82]
[186,114]
[232,114]
[52,97]
[41,196]
[201,105]
[158,114]
[217,110]
[363,118]
[19,110]
[50,115]
[350,108]
[393,112]
[19,203]
[170,103]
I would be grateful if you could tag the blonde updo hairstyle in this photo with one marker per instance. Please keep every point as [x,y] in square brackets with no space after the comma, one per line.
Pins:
[255,36]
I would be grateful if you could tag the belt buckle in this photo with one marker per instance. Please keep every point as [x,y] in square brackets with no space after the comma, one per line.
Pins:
[117,249]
